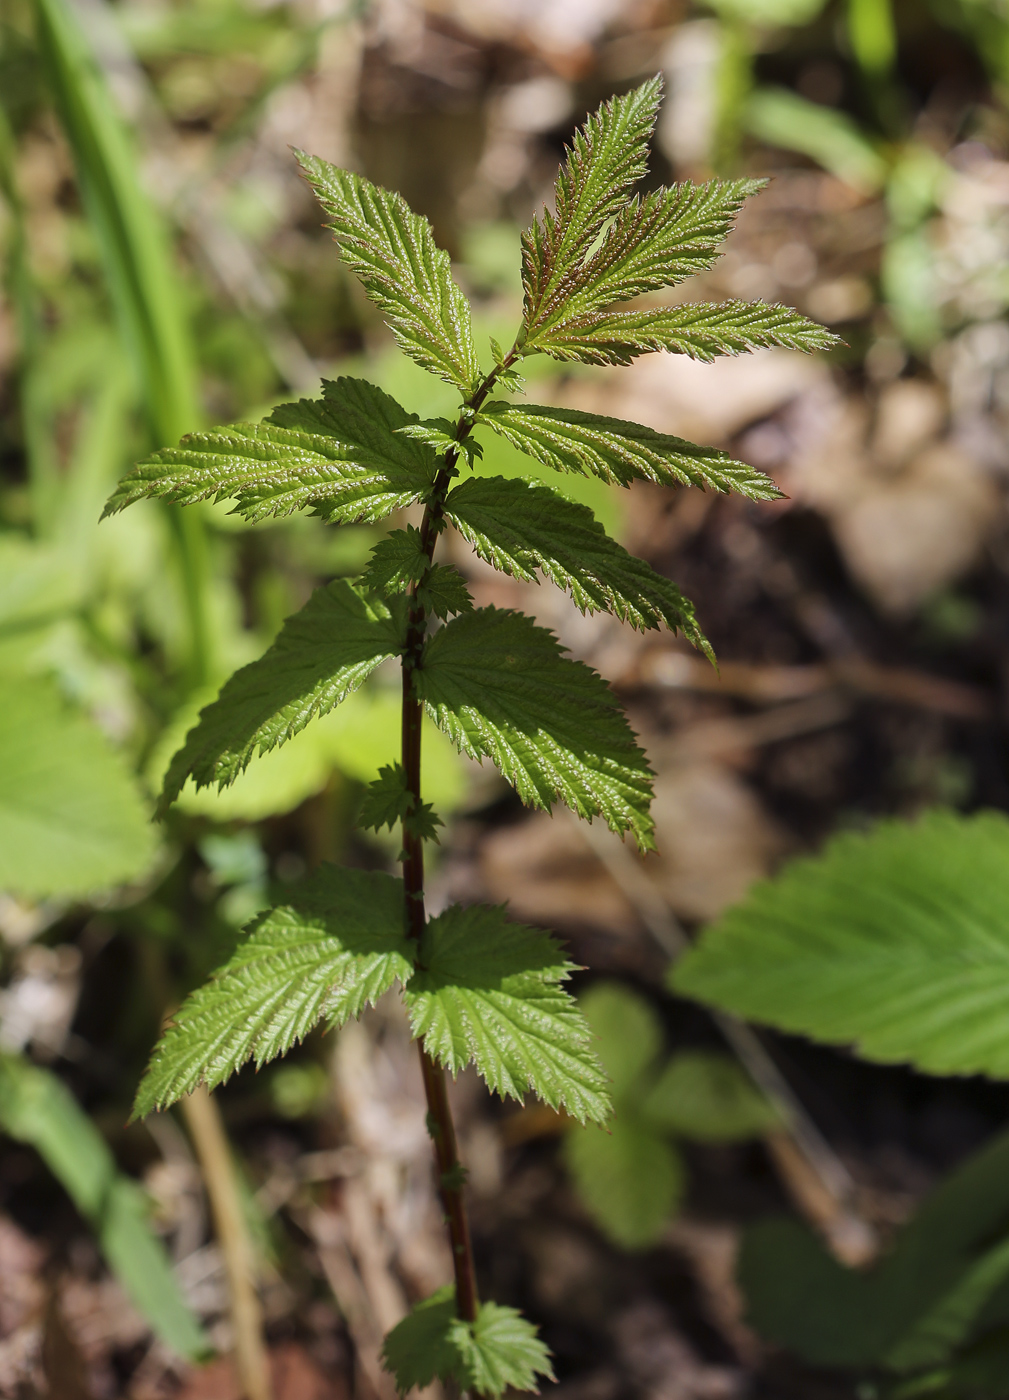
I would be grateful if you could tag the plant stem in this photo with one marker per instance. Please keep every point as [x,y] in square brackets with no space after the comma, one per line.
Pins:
[439,1114]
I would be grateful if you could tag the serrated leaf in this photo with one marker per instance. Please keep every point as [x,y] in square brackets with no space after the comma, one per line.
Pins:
[333,948]
[387,801]
[706,1096]
[500,1350]
[501,688]
[396,562]
[629,1179]
[620,452]
[896,941]
[321,655]
[702,330]
[404,272]
[489,992]
[440,436]
[72,820]
[521,527]
[607,157]
[444,591]
[341,454]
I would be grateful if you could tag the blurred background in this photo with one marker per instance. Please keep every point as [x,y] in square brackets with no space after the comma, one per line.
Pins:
[164,268]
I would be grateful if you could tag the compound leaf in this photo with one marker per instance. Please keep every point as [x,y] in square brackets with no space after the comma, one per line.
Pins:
[702,330]
[489,992]
[628,1177]
[321,654]
[607,157]
[404,272]
[341,454]
[896,941]
[336,946]
[618,451]
[522,526]
[500,1350]
[501,688]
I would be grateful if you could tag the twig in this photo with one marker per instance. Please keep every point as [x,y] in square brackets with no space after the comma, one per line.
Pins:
[203,1119]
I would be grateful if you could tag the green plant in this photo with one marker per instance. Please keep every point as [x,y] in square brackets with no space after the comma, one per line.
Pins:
[630,1174]
[478,989]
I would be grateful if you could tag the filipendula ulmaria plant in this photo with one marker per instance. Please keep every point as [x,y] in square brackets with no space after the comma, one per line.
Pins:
[478,988]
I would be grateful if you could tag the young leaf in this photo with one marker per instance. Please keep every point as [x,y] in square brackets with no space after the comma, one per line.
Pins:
[489,992]
[321,654]
[387,802]
[620,452]
[702,330]
[444,591]
[523,526]
[897,941]
[37,1108]
[341,454]
[72,820]
[335,947]
[396,562]
[500,687]
[630,1179]
[606,159]
[500,1350]
[408,277]
[440,436]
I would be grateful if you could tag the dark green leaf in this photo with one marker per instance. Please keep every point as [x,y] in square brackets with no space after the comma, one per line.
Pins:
[386,800]
[501,688]
[444,591]
[335,947]
[896,941]
[524,526]
[489,992]
[420,1349]
[571,441]
[396,562]
[408,277]
[321,654]
[341,454]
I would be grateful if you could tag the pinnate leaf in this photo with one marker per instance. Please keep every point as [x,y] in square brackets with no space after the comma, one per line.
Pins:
[489,992]
[341,454]
[702,330]
[322,653]
[896,941]
[569,440]
[332,949]
[522,526]
[501,688]
[408,277]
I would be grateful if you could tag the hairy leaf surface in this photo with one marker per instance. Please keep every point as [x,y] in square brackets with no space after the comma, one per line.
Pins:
[341,454]
[501,688]
[896,941]
[322,654]
[522,526]
[335,947]
[618,451]
[702,330]
[408,277]
[489,992]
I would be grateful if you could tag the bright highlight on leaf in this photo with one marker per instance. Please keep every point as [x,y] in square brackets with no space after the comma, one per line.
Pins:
[402,269]
[332,950]
[321,654]
[342,455]
[489,992]
[896,941]
[501,688]
[497,1352]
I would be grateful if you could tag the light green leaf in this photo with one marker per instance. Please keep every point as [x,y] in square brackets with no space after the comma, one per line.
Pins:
[332,949]
[37,1108]
[783,118]
[706,1096]
[627,1031]
[500,1350]
[340,454]
[629,1179]
[571,441]
[607,157]
[702,330]
[321,654]
[896,941]
[71,817]
[489,992]
[408,277]
[500,687]
[522,526]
